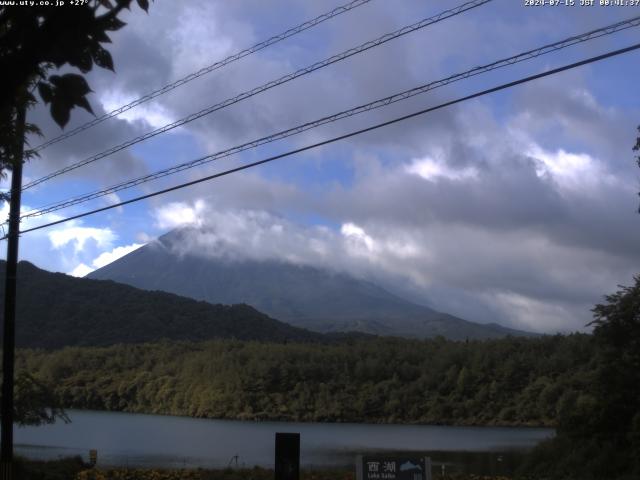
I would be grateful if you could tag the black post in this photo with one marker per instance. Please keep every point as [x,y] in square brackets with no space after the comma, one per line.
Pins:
[287,464]
[9,333]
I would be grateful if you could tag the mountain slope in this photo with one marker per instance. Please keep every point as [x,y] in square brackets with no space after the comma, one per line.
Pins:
[300,295]
[56,310]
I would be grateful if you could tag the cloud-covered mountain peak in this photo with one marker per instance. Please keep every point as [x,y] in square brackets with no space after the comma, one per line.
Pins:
[299,294]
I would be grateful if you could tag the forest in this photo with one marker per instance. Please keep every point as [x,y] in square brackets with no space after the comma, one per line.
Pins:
[513,381]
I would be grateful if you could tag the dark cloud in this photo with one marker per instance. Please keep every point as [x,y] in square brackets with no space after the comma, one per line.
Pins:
[521,236]
[518,208]
[84,145]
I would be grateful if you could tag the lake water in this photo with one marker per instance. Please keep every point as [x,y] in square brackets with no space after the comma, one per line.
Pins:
[126,439]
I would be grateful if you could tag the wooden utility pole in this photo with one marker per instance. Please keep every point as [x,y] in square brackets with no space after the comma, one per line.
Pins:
[9,327]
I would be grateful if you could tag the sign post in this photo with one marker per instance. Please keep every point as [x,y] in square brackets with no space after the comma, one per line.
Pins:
[93,457]
[287,465]
[387,467]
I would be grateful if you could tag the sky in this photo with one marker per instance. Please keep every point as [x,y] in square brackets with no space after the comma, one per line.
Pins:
[518,208]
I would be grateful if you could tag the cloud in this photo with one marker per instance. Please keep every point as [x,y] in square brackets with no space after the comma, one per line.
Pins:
[518,278]
[260,235]
[153,115]
[105,258]
[516,231]
[114,199]
[81,146]
[358,237]
[178,38]
[71,247]
[78,237]
[81,270]
[430,169]
[519,208]
[187,36]
[178,214]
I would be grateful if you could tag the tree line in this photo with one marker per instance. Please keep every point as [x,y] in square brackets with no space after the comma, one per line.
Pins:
[512,381]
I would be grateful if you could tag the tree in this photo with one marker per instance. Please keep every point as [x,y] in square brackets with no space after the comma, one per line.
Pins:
[636,148]
[617,333]
[35,402]
[598,432]
[36,39]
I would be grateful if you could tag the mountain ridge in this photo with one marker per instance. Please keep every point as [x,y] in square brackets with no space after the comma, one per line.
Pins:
[301,295]
[55,310]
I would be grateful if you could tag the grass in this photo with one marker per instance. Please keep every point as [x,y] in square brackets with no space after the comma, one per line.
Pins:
[75,469]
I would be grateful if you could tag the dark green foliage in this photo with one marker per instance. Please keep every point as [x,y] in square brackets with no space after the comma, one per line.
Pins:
[512,381]
[599,425]
[615,393]
[35,402]
[63,93]
[56,310]
[636,148]
[61,469]
[37,38]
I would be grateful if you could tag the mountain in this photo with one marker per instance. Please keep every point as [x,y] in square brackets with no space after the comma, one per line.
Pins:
[55,310]
[300,295]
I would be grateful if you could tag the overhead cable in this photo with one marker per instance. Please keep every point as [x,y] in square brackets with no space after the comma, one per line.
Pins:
[203,71]
[267,86]
[342,137]
[530,54]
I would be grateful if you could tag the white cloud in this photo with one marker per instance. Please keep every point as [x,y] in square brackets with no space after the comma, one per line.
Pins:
[105,258]
[537,315]
[577,171]
[357,236]
[155,115]
[432,170]
[113,199]
[78,237]
[81,270]
[177,214]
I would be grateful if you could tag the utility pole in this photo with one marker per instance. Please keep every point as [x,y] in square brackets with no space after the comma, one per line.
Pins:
[9,331]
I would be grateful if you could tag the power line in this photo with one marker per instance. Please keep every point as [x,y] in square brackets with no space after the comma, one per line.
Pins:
[553,47]
[203,71]
[267,86]
[345,136]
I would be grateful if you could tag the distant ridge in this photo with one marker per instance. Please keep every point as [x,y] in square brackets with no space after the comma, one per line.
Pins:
[56,310]
[304,296]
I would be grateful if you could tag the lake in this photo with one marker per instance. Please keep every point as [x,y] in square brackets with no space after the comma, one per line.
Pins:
[126,439]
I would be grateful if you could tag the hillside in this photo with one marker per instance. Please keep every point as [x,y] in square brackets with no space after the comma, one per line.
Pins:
[56,310]
[304,296]
[511,381]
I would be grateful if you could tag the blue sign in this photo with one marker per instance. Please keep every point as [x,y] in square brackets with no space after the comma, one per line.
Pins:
[393,468]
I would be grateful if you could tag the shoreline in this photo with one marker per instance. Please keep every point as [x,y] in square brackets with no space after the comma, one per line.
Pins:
[285,419]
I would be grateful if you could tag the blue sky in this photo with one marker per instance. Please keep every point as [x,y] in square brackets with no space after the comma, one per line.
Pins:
[518,208]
